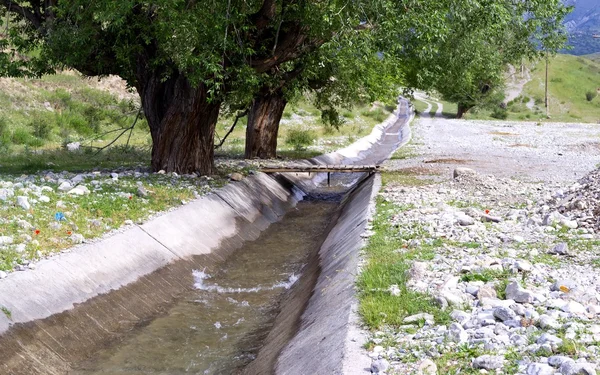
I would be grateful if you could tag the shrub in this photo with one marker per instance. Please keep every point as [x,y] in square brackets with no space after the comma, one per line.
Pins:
[590,95]
[4,135]
[500,113]
[21,136]
[41,125]
[299,139]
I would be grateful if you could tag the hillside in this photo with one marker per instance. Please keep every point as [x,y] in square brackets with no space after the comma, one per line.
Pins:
[571,78]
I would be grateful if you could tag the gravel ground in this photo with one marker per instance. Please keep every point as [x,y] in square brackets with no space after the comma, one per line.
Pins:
[516,266]
[551,152]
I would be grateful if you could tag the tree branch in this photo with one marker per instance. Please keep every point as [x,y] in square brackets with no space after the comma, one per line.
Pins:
[13,7]
[239,116]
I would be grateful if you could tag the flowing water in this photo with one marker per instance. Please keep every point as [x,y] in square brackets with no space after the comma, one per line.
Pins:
[219,326]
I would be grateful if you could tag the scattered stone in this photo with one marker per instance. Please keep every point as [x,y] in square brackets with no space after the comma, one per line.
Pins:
[563,285]
[79,190]
[486,291]
[428,318]
[236,177]
[573,368]
[65,186]
[379,366]
[427,367]
[574,307]
[504,313]
[488,362]
[560,249]
[141,192]
[515,292]
[462,171]
[539,369]
[3,275]
[73,146]
[24,224]
[23,202]
[77,238]
[548,338]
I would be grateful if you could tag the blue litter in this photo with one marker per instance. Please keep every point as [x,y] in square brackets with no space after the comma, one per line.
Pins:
[59,216]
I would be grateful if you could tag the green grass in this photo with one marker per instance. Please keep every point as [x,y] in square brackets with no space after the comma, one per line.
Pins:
[92,215]
[420,106]
[388,260]
[570,78]
[6,312]
[62,160]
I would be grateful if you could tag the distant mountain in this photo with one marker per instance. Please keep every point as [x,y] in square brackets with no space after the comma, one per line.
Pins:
[583,25]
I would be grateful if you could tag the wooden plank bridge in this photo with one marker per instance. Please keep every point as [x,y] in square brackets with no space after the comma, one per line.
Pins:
[322,168]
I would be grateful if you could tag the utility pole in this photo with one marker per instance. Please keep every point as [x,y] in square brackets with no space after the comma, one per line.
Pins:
[546,101]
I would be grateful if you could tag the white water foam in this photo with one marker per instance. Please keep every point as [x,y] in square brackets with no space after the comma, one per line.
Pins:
[200,278]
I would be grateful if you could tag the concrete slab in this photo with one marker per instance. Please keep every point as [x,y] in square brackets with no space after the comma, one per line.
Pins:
[57,284]
[194,229]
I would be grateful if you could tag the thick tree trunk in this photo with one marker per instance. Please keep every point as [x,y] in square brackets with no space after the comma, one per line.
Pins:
[182,123]
[462,109]
[263,125]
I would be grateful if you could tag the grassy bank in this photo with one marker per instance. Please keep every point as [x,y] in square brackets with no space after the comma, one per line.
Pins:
[39,117]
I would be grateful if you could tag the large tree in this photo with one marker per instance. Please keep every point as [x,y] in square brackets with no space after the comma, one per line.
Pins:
[353,67]
[467,66]
[184,57]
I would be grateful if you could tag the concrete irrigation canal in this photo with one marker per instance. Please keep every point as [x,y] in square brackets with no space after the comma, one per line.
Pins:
[257,278]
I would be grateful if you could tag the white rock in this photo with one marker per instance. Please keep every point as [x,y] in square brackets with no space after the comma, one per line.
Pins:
[44,199]
[77,238]
[73,146]
[65,186]
[24,224]
[5,194]
[6,240]
[426,367]
[379,366]
[23,202]
[79,190]
[3,275]
[488,362]
[428,318]
[573,307]
[515,292]
[539,369]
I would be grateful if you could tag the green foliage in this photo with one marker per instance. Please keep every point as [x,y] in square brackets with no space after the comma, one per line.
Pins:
[500,113]
[300,139]
[5,137]
[386,266]
[467,66]
[41,126]
[590,95]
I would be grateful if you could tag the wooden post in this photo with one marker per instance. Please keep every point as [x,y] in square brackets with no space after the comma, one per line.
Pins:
[546,101]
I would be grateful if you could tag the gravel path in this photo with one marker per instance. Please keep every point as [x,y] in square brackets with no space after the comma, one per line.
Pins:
[516,258]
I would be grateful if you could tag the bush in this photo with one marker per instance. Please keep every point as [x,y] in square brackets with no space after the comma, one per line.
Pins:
[41,125]
[4,135]
[500,113]
[21,136]
[590,95]
[299,139]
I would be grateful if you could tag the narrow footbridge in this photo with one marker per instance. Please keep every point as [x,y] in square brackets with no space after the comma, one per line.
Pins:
[322,168]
